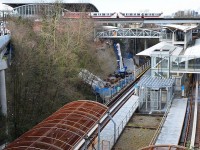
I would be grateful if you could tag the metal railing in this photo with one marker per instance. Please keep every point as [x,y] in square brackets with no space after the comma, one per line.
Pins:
[108,144]
[106,95]
[129,33]
[161,124]
[165,147]
[141,69]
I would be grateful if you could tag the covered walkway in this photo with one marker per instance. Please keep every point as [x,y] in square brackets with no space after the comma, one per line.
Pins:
[172,128]
[66,129]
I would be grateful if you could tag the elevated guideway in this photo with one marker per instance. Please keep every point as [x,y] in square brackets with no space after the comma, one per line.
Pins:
[148,20]
[4,41]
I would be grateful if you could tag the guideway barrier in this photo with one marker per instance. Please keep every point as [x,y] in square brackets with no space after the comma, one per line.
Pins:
[108,135]
[107,145]
[107,93]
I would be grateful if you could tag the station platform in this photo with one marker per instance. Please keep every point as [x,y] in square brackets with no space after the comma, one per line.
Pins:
[120,118]
[172,128]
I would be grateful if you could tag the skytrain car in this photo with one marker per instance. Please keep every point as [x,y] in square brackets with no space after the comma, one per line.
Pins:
[76,15]
[103,15]
[139,15]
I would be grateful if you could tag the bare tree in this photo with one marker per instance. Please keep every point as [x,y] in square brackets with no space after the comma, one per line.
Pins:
[44,72]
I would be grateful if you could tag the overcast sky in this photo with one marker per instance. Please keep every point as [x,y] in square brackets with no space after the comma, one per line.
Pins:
[165,6]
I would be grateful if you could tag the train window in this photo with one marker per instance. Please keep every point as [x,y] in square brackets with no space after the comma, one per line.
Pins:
[145,14]
[94,14]
[134,14]
[152,14]
[103,14]
[138,14]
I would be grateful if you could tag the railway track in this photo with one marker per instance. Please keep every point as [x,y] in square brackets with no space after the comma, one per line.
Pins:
[116,103]
[197,137]
[186,131]
[191,120]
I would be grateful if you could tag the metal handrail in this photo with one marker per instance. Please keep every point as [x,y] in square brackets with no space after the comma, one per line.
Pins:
[161,124]
[151,147]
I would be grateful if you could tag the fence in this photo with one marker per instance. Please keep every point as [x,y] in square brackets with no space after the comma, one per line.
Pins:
[108,143]
[153,141]
[107,93]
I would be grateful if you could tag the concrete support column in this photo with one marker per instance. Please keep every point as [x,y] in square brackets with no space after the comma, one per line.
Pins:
[145,43]
[185,40]
[160,100]
[167,101]
[3,92]
[173,38]
[186,64]
[169,66]
[99,132]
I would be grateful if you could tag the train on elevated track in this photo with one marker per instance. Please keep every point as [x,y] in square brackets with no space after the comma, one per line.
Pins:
[74,15]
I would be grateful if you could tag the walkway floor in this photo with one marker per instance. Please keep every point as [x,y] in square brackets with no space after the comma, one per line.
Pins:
[171,131]
[120,118]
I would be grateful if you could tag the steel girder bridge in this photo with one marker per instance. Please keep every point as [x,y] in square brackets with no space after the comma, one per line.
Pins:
[129,33]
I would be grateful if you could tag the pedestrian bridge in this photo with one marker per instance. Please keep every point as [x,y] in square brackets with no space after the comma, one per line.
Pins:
[129,33]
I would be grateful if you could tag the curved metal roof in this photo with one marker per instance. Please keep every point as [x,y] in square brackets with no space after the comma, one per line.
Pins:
[73,5]
[64,129]
[173,50]
[180,27]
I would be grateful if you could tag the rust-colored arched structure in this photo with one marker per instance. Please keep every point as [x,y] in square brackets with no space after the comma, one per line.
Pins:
[64,129]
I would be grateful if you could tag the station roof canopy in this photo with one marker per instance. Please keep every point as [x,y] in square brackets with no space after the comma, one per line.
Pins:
[179,27]
[65,129]
[155,82]
[193,50]
[175,50]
